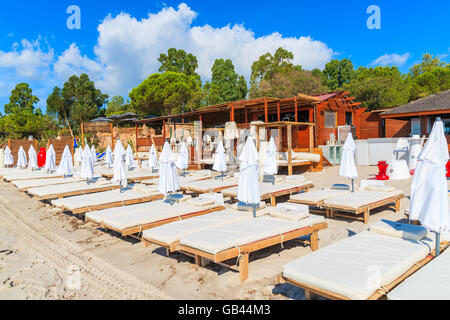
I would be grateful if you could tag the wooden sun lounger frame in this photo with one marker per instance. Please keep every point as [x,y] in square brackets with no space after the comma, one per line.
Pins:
[274,195]
[139,229]
[379,294]
[198,191]
[76,192]
[242,252]
[362,213]
[116,204]
[35,178]
[131,180]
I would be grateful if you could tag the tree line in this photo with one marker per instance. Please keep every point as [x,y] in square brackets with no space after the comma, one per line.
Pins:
[177,87]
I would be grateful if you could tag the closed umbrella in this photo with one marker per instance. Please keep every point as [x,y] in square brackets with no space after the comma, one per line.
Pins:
[94,154]
[348,167]
[109,156]
[119,169]
[220,160]
[270,163]
[129,157]
[248,187]
[153,158]
[429,192]
[77,156]
[87,166]
[32,159]
[183,158]
[65,167]
[21,158]
[50,159]
[9,160]
[168,179]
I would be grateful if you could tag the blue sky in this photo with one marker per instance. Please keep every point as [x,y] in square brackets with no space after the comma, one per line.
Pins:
[119,41]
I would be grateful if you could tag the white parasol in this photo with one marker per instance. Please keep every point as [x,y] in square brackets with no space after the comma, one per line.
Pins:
[119,169]
[87,166]
[348,167]
[65,167]
[32,158]
[50,159]
[168,179]
[21,158]
[9,160]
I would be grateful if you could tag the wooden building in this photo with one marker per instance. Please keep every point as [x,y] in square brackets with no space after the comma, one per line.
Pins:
[326,112]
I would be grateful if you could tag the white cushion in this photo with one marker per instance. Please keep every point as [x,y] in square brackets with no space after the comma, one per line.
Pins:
[399,230]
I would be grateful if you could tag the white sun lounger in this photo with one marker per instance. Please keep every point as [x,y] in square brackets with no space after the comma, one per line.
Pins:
[104,200]
[169,235]
[432,282]
[270,191]
[24,185]
[364,266]
[317,197]
[136,175]
[357,205]
[30,175]
[137,218]
[210,185]
[65,190]
[181,180]
[239,239]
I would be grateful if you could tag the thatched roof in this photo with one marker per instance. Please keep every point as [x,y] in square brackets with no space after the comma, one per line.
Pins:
[434,103]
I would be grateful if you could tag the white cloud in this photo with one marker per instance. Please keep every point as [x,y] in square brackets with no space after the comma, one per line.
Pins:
[391,59]
[128,49]
[28,60]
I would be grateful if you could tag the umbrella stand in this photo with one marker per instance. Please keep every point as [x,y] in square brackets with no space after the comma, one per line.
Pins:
[438,243]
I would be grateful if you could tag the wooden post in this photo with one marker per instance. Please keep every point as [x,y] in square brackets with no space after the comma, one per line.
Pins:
[82,135]
[314,241]
[296,110]
[232,113]
[311,139]
[164,131]
[257,139]
[266,111]
[289,139]
[243,267]
[246,114]
[137,146]
[279,112]
[112,135]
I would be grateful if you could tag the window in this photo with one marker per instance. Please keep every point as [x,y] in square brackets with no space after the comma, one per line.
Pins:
[446,126]
[330,119]
[415,126]
[303,116]
[349,118]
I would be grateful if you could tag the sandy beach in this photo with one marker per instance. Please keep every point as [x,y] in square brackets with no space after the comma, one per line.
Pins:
[48,254]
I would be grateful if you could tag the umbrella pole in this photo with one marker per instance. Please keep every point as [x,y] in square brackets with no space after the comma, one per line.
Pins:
[353,185]
[254,211]
[438,243]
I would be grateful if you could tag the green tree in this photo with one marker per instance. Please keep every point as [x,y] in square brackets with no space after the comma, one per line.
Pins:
[338,73]
[290,83]
[83,99]
[380,87]
[22,119]
[269,64]
[226,85]
[166,93]
[178,61]
[59,107]
[21,98]
[431,76]
[117,106]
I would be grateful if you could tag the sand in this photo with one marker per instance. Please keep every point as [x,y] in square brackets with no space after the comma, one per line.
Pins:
[48,254]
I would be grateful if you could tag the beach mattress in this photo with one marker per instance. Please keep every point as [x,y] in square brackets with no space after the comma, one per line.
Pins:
[317,196]
[268,188]
[224,237]
[173,232]
[34,183]
[132,216]
[432,282]
[29,175]
[357,266]
[80,186]
[209,185]
[359,199]
[96,199]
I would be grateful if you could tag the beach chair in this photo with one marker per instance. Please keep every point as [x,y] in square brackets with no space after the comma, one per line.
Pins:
[64,190]
[169,235]
[24,185]
[135,219]
[27,174]
[432,282]
[238,239]
[109,199]
[358,205]
[209,185]
[134,176]
[316,198]
[272,192]
[365,266]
